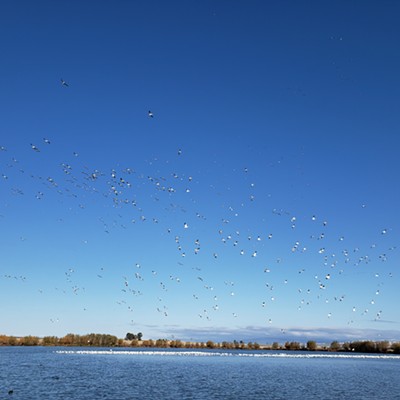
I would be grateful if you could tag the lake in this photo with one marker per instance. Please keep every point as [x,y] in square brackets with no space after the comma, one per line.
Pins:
[124,374]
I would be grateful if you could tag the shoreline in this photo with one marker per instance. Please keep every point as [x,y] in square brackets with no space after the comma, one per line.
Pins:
[105,340]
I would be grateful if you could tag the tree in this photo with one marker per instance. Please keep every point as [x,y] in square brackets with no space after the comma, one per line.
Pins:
[139,336]
[292,346]
[134,343]
[68,340]
[130,336]
[382,347]
[366,346]
[162,343]
[148,343]
[311,345]
[3,340]
[50,341]
[347,346]
[335,346]
[396,347]
[12,341]
[210,344]
[30,341]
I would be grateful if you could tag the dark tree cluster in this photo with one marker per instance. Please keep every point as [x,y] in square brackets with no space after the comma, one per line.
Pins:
[367,346]
[132,336]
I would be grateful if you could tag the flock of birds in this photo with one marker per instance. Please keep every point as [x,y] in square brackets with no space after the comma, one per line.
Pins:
[203,246]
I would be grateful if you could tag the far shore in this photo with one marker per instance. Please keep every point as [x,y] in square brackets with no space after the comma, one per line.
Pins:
[136,341]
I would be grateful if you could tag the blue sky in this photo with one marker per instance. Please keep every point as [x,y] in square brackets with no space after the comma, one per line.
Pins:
[260,202]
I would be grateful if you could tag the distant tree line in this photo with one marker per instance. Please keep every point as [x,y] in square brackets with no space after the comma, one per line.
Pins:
[367,346]
[92,339]
[136,340]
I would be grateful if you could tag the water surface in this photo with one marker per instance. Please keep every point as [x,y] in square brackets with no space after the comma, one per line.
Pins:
[122,374]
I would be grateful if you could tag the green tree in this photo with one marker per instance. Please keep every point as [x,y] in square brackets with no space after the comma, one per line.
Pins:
[130,336]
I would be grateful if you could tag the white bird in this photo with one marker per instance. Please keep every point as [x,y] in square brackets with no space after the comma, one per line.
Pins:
[34,148]
[150,114]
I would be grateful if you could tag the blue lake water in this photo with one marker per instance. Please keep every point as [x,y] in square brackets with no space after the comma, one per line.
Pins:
[124,374]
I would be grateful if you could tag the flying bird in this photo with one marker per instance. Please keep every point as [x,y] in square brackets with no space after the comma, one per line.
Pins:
[150,114]
[64,83]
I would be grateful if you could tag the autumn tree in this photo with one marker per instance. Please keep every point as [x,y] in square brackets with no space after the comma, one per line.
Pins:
[382,347]
[29,341]
[396,347]
[292,346]
[210,344]
[311,345]
[50,341]
[162,343]
[335,346]
[3,340]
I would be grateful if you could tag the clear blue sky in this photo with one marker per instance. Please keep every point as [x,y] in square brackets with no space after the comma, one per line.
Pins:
[260,202]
